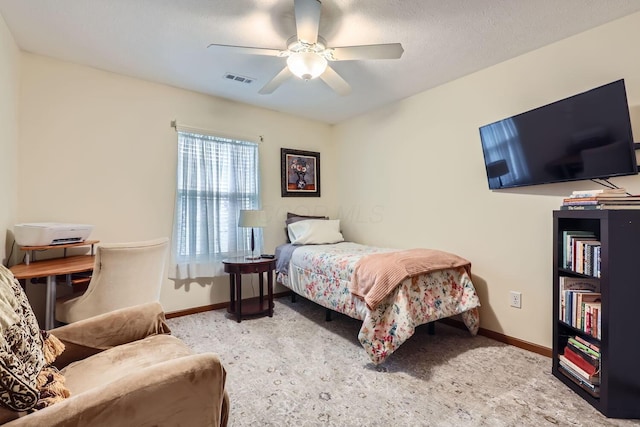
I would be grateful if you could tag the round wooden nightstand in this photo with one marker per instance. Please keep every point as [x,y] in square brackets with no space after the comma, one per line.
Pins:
[236,267]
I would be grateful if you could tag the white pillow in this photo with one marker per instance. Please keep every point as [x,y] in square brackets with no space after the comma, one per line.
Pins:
[315,232]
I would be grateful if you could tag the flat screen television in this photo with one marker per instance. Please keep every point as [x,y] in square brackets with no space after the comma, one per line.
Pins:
[585,136]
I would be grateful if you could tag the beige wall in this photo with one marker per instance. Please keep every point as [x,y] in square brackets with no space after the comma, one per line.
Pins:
[9,85]
[416,173]
[97,148]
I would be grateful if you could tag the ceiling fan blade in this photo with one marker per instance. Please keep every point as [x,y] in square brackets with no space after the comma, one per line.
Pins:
[248,50]
[372,51]
[307,20]
[275,82]
[335,82]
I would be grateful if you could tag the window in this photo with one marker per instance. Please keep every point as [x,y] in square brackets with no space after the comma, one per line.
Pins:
[216,178]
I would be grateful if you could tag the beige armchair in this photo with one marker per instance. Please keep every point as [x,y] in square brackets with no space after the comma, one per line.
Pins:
[121,368]
[125,274]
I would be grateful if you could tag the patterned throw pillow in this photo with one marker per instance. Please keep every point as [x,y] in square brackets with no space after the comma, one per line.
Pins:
[26,379]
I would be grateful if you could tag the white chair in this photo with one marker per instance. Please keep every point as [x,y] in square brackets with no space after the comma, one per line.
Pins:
[124,275]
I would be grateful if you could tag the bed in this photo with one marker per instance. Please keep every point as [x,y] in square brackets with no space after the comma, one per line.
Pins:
[325,274]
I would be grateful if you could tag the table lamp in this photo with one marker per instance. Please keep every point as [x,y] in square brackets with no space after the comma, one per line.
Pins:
[253,219]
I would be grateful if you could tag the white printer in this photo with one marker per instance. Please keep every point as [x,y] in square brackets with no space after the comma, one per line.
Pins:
[50,233]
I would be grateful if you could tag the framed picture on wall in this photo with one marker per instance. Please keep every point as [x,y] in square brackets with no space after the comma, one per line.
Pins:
[300,173]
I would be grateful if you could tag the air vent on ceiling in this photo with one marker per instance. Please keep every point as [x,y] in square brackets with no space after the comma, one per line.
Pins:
[238,78]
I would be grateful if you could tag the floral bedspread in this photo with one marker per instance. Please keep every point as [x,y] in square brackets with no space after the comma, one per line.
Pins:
[322,274]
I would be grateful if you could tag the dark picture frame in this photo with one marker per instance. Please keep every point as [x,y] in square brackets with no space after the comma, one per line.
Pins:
[300,173]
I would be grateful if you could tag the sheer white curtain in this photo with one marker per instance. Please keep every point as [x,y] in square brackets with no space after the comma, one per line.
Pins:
[216,178]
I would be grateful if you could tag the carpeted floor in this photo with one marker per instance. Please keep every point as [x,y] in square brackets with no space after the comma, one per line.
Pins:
[295,369]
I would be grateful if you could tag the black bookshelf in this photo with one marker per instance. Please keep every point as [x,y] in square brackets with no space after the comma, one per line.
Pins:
[619,234]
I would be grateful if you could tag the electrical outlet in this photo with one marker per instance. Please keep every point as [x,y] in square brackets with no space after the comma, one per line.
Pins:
[515,299]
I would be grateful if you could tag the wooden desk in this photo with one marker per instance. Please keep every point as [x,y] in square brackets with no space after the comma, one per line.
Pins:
[31,250]
[236,267]
[51,268]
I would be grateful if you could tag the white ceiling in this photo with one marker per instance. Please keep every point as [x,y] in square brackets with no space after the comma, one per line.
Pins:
[166,41]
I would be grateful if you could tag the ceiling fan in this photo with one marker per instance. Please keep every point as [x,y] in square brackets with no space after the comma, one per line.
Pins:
[308,54]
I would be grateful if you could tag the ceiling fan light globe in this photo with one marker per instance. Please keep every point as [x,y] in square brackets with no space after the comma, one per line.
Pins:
[306,65]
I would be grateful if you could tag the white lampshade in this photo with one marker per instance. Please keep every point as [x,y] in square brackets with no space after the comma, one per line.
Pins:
[252,218]
[306,65]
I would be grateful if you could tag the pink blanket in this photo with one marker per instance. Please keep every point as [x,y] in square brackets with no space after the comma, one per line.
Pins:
[375,276]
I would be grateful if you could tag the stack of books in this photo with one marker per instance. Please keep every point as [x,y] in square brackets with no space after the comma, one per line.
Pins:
[580,362]
[580,304]
[581,252]
[604,198]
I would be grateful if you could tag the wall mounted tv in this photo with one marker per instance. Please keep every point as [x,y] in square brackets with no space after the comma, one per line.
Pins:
[585,136]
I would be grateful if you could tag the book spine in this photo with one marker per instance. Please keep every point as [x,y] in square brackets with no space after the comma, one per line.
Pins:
[579,256]
[580,207]
[588,251]
[594,194]
[579,312]
[588,368]
[574,309]
[574,255]
[594,390]
[564,249]
[580,198]
[587,343]
[583,347]
[562,304]
[567,364]
[595,259]
[568,297]
[582,201]
[601,206]
[592,360]
[582,195]
[586,312]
